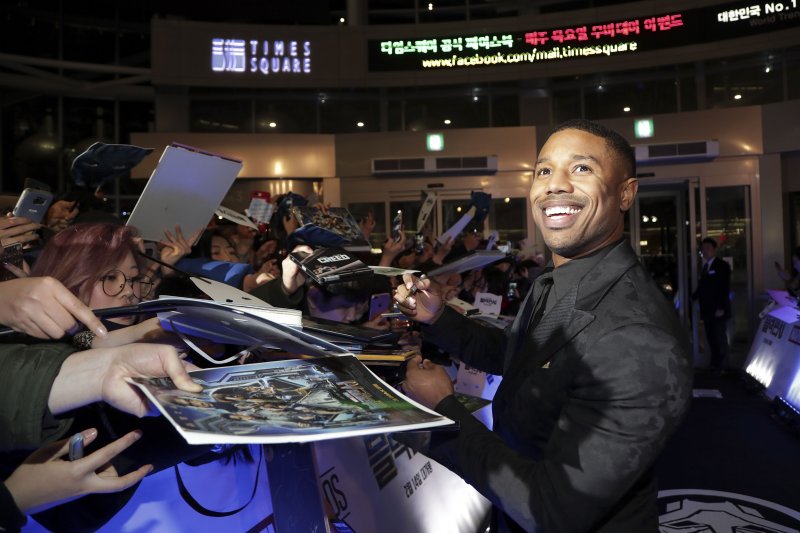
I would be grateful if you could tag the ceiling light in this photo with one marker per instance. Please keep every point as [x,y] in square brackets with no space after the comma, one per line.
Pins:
[506,199]
[737,96]
[360,124]
[626,109]
[767,69]
[341,20]
[273,125]
[447,121]
[430,7]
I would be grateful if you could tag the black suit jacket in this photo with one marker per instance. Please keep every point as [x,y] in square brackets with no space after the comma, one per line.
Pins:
[713,289]
[587,401]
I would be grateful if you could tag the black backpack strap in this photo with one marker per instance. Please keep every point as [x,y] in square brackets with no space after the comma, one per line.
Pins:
[194,504]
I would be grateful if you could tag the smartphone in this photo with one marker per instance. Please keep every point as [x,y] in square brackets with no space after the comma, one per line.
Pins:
[419,243]
[492,240]
[33,204]
[379,304]
[512,289]
[397,225]
[76,447]
[151,249]
[12,255]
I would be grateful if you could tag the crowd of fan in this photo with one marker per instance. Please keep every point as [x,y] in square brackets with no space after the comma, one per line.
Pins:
[78,261]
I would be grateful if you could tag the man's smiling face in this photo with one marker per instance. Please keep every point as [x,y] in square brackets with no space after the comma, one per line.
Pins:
[579,194]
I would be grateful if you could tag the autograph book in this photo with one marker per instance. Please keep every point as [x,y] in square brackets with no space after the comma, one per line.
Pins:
[199,179]
[189,318]
[334,227]
[298,400]
[476,259]
[331,265]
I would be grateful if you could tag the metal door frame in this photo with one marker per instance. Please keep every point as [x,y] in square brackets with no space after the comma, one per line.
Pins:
[683,191]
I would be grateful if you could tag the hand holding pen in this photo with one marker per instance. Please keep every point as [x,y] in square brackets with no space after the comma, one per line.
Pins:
[419,300]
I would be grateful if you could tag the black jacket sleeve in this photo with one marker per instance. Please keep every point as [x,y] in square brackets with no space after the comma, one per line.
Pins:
[607,436]
[479,346]
[27,374]
[11,519]
[273,293]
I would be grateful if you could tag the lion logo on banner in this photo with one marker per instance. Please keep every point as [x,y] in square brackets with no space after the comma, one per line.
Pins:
[710,511]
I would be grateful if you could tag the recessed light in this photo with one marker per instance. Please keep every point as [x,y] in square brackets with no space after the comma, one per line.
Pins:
[737,96]
[273,125]
[341,20]
[430,7]
[447,121]
[626,109]
[360,124]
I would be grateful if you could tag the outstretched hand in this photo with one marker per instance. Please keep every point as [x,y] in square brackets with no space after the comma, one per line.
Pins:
[392,249]
[61,214]
[442,251]
[292,276]
[17,229]
[45,479]
[103,373]
[44,308]
[142,361]
[176,246]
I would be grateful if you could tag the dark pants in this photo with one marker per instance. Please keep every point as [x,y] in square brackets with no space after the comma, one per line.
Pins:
[717,335]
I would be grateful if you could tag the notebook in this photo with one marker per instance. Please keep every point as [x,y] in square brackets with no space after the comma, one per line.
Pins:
[331,265]
[186,187]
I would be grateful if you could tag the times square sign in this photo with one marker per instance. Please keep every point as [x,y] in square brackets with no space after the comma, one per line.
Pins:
[261,56]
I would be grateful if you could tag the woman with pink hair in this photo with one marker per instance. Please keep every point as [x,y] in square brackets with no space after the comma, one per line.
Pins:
[98,262]
[101,265]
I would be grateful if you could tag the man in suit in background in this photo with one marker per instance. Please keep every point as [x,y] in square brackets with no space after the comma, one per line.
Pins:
[596,368]
[713,290]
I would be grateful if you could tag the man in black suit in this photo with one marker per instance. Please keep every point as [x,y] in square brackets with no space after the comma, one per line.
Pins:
[713,289]
[596,368]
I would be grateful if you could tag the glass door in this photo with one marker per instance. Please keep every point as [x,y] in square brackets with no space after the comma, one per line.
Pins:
[667,223]
[660,225]
[726,217]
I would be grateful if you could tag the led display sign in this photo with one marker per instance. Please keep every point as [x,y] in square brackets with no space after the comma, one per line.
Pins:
[629,35]
[262,56]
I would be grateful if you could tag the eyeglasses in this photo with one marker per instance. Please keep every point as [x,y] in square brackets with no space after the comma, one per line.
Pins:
[114,283]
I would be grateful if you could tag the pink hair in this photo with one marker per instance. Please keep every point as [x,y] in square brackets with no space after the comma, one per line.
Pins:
[79,255]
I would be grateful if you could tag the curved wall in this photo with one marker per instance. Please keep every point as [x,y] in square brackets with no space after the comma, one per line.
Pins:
[185,54]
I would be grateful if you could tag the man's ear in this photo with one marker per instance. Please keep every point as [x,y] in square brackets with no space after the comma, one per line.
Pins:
[628,194]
